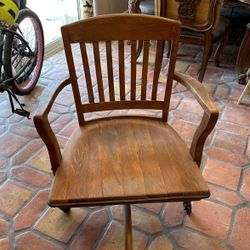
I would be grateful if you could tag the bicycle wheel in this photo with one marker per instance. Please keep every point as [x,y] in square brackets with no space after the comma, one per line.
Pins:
[21,57]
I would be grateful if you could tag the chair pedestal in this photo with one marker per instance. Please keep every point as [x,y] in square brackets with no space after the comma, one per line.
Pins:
[128,227]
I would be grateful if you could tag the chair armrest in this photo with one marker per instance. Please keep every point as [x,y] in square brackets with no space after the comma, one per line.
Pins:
[42,123]
[209,118]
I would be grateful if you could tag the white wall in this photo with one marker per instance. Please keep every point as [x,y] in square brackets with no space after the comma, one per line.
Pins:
[109,6]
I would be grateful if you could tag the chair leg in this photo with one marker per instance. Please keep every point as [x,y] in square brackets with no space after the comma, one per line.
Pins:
[65,210]
[187,207]
[206,54]
[139,49]
[128,227]
[219,49]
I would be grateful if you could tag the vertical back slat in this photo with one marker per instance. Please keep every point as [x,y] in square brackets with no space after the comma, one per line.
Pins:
[110,70]
[121,69]
[158,63]
[87,72]
[145,70]
[170,78]
[133,69]
[98,71]
[73,77]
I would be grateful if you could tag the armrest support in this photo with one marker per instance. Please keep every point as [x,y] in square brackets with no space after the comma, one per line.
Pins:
[42,123]
[209,118]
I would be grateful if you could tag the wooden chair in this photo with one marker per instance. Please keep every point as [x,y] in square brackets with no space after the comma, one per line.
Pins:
[124,159]
[200,21]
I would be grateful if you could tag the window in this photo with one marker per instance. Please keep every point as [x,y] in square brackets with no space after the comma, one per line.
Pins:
[53,14]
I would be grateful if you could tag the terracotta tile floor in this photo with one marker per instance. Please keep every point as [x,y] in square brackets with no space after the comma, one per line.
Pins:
[220,222]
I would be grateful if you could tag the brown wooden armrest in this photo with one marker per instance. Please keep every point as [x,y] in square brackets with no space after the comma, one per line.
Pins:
[209,118]
[42,123]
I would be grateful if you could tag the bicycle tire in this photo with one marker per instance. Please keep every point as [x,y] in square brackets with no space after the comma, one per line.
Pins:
[15,49]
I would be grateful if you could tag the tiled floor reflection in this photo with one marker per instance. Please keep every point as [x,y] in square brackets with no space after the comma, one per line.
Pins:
[220,222]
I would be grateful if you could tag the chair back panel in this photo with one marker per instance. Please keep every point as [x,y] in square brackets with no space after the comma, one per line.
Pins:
[200,14]
[112,78]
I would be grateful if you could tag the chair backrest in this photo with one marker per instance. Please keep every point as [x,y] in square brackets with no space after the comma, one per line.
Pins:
[104,53]
[200,15]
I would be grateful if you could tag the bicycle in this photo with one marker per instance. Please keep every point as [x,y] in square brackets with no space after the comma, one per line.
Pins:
[21,54]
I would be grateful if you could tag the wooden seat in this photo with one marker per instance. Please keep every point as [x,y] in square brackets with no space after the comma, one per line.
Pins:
[124,159]
[128,158]
[201,23]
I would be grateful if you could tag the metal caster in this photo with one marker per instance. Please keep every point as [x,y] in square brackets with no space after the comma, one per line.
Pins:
[187,207]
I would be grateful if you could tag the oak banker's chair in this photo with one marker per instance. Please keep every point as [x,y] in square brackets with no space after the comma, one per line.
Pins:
[124,160]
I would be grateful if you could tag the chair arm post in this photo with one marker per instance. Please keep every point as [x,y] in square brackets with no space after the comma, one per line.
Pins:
[209,118]
[46,133]
[42,123]
[206,126]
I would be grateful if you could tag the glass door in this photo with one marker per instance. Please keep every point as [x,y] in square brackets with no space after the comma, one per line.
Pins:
[53,14]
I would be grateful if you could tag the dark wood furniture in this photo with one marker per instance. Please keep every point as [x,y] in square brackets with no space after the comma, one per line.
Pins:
[201,23]
[124,159]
